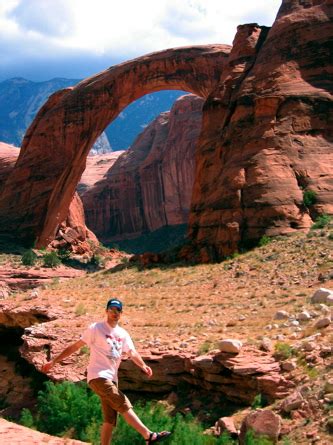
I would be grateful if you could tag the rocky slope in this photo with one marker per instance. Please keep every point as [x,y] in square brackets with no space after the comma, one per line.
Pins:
[267,299]
[150,185]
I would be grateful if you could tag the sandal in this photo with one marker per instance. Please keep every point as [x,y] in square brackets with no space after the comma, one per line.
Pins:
[158,437]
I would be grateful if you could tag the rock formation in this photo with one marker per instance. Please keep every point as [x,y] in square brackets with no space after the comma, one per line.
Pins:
[150,185]
[72,233]
[37,194]
[266,133]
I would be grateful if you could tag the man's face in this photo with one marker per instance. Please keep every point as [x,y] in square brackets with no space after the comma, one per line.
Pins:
[113,314]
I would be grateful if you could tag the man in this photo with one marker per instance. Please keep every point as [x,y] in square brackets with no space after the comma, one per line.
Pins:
[107,342]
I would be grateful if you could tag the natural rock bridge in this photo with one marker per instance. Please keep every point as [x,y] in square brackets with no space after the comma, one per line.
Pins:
[266,135]
[37,195]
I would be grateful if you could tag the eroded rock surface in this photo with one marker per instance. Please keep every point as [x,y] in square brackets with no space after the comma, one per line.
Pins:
[13,434]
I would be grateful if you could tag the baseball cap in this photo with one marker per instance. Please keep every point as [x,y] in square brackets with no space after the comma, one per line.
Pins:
[114,302]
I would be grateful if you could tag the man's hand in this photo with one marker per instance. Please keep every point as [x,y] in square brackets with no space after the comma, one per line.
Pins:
[147,370]
[47,366]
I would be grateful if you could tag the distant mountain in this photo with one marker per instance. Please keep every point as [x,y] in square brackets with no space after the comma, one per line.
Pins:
[20,100]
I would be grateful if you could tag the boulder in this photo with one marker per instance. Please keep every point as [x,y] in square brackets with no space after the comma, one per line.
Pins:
[322,295]
[230,345]
[262,423]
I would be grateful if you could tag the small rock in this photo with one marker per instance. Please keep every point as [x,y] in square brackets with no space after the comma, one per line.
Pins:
[329,397]
[294,323]
[183,345]
[266,344]
[321,296]
[280,337]
[230,345]
[324,308]
[241,317]
[323,323]
[309,346]
[289,365]
[226,424]
[292,402]
[304,316]
[281,315]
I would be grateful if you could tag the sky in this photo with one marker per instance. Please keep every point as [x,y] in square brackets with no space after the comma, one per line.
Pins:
[44,39]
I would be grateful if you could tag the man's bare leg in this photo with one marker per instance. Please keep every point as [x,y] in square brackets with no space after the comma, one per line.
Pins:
[133,420]
[106,433]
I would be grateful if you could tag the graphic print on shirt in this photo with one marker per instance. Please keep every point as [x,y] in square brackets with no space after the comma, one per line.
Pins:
[115,344]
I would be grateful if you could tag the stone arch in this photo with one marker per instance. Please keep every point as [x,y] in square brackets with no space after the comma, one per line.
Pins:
[36,197]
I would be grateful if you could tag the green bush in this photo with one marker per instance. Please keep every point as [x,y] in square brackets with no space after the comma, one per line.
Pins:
[73,410]
[264,240]
[283,351]
[51,259]
[97,261]
[321,222]
[27,419]
[309,198]
[29,258]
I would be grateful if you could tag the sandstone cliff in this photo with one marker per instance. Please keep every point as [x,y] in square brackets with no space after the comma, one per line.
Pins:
[72,233]
[150,185]
[267,133]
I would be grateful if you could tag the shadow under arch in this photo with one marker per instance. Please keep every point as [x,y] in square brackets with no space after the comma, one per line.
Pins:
[36,196]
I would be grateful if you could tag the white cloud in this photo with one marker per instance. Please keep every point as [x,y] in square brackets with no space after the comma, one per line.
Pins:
[122,29]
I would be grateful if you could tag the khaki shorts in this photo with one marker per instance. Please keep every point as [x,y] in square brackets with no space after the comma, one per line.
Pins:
[112,399]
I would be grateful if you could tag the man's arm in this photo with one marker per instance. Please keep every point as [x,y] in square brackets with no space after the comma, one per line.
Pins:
[65,353]
[137,359]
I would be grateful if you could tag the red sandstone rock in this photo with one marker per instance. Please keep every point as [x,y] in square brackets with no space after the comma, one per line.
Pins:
[266,133]
[57,143]
[263,423]
[13,434]
[80,239]
[150,185]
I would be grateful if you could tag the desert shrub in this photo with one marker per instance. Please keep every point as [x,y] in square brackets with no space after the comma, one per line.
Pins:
[321,222]
[51,259]
[64,254]
[309,198]
[27,419]
[65,409]
[29,258]
[252,439]
[264,240]
[73,410]
[258,402]
[283,351]
[80,309]
[97,261]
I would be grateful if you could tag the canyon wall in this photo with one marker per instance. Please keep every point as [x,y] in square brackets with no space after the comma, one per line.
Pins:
[150,185]
[267,133]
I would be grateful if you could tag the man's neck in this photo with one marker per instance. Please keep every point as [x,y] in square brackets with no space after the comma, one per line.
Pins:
[112,324]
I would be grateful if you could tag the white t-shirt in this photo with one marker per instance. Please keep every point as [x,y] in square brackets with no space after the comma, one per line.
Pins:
[106,345]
